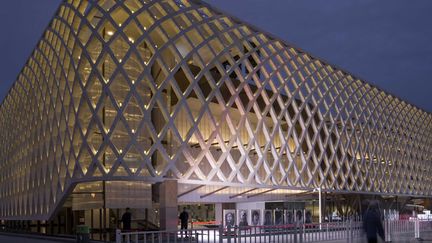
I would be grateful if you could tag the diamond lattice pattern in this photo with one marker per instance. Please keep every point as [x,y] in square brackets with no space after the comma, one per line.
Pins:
[148,90]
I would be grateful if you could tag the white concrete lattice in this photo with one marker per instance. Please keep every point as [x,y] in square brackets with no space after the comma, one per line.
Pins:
[148,90]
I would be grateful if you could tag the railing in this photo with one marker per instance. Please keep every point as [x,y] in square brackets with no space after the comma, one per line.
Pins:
[254,234]
[404,230]
[350,231]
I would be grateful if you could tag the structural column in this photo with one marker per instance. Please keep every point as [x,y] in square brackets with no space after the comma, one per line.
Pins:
[219,213]
[168,216]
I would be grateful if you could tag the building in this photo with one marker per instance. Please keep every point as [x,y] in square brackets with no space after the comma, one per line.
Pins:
[137,103]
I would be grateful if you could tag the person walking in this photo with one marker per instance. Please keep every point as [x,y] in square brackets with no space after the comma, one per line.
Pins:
[126,219]
[372,223]
[184,218]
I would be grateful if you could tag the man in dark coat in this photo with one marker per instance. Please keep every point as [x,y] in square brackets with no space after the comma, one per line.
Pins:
[126,219]
[184,217]
[372,223]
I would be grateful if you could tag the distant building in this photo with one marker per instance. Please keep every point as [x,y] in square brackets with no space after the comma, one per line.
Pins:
[132,103]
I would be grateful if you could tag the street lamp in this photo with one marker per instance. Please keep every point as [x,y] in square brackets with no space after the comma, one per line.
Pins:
[318,189]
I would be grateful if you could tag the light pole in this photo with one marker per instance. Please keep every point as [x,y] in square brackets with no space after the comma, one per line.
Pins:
[318,189]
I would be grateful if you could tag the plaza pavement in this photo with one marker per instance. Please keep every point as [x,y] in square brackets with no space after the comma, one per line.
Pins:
[20,238]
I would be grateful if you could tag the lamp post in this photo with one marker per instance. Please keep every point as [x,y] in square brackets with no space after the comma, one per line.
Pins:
[318,189]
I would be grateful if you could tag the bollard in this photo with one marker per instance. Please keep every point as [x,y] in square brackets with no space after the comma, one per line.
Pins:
[229,233]
[387,233]
[417,229]
[327,231]
[301,233]
[220,233]
[118,236]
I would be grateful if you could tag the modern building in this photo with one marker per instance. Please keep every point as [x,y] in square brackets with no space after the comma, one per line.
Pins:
[151,104]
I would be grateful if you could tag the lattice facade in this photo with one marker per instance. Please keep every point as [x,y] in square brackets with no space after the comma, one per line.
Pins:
[148,90]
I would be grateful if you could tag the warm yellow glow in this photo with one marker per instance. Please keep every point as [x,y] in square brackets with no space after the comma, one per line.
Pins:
[358,156]
[251,127]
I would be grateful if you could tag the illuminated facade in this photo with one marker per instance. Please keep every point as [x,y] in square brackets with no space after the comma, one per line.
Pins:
[136,92]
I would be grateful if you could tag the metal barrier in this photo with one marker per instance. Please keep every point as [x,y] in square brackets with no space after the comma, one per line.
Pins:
[347,231]
[350,231]
[406,229]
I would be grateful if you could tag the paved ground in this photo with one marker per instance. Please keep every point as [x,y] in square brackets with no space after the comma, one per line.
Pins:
[14,238]
[401,238]
[19,238]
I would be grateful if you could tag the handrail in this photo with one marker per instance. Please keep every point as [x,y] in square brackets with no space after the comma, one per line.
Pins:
[348,231]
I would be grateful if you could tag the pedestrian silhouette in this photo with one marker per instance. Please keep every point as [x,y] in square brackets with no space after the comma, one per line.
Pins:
[372,223]
[184,218]
[126,219]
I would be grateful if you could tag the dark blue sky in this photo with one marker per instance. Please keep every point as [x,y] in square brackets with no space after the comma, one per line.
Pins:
[387,43]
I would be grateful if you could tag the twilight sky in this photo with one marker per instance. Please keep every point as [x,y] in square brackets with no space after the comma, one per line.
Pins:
[386,42]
